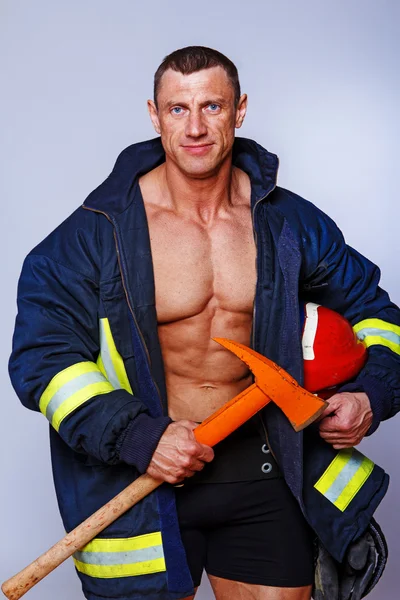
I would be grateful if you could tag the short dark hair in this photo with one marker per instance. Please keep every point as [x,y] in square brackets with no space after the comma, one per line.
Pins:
[196,58]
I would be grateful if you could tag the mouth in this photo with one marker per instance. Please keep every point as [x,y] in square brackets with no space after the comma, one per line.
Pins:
[197,149]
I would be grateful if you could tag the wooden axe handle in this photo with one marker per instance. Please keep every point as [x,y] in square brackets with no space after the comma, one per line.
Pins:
[17,586]
[220,424]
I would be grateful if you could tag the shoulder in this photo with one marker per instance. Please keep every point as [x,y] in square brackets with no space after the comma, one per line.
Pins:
[295,207]
[77,243]
[303,217]
[307,228]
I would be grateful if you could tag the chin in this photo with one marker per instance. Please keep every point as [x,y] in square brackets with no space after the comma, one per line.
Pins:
[199,171]
[198,167]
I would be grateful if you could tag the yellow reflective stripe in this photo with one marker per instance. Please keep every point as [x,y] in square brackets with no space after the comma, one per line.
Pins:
[110,571]
[357,481]
[372,340]
[334,469]
[138,542]
[344,477]
[122,557]
[70,388]
[109,351]
[99,363]
[378,332]
[61,379]
[378,324]
[68,406]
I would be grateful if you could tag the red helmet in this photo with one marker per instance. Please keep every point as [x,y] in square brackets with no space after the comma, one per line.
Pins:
[331,350]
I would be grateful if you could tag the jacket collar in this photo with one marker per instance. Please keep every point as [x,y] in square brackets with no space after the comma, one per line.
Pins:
[120,188]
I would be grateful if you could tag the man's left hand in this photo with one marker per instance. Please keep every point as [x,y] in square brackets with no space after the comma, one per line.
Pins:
[346,419]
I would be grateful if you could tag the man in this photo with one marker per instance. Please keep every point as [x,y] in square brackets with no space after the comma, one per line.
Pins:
[188,239]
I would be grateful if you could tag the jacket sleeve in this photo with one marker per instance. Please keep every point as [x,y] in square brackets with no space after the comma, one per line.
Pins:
[54,368]
[337,276]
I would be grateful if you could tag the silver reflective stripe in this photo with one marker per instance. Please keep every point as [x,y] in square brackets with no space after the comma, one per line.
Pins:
[106,358]
[372,331]
[345,475]
[70,388]
[120,558]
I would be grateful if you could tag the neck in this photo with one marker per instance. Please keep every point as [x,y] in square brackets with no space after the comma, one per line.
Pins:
[202,199]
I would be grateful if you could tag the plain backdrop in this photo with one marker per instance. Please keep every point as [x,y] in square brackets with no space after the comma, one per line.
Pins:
[323,85]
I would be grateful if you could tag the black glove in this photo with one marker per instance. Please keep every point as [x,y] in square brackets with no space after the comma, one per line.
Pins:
[326,581]
[364,564]
[358,568]
[360,571]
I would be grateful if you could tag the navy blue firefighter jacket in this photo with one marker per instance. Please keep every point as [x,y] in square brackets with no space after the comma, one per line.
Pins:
[86,354]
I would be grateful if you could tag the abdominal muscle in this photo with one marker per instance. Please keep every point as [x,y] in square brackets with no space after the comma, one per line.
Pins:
[200,374]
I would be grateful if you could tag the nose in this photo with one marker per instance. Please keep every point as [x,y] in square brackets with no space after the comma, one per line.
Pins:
[195,125]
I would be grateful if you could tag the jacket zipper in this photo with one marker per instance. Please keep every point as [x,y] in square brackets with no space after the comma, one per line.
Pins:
[256,243]
[254,304]
[127,299]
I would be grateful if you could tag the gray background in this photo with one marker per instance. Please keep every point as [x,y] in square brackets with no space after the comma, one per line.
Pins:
[323,86]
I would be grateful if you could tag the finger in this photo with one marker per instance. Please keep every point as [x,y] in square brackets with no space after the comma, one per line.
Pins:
[179,475]
[190,473]
[329,410]
[342,446]
[197,465]
[206,454]
[337,436]
[346,442]
[340,439]
[161,475]
[331,424]
[341,434]
[341,424]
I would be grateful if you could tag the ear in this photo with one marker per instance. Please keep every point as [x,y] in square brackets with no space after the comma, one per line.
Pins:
[241,110]
[153,112]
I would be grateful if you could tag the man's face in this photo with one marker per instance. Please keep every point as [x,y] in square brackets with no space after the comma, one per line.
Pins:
[196,118]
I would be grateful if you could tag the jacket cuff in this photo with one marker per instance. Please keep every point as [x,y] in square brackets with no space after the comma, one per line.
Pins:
[139,440]
[379,395]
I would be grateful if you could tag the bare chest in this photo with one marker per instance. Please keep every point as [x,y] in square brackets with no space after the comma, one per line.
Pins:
[200,268]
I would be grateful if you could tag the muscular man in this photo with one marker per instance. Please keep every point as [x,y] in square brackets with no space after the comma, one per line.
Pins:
[189,239]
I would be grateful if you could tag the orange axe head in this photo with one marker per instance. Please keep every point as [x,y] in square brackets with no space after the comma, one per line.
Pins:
[300,406]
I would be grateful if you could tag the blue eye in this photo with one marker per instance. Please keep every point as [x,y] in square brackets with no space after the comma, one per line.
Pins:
[213,107]
[177,110]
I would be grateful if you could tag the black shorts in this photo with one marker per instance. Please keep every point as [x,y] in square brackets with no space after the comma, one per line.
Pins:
[239,520]
[248,531]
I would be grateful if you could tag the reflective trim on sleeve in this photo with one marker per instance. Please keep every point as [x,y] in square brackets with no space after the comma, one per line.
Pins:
[78,383]
[375,331]
[110,361]
[70,388]
[122,557]
[344,477]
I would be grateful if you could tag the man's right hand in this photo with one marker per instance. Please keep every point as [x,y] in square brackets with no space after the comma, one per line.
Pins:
[178,454]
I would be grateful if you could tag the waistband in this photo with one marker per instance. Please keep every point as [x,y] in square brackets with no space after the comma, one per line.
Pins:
[243,456]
